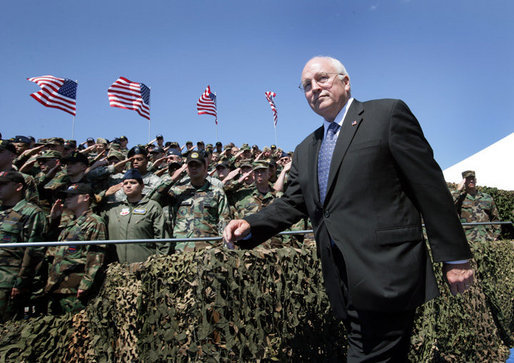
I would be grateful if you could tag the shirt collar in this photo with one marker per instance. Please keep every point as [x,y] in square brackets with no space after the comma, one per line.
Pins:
[339,118]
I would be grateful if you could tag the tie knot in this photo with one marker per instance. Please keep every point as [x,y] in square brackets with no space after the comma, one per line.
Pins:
[333,126]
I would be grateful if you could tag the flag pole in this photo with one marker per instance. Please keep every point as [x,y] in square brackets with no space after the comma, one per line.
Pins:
[276,143]
[73,123]
[149,123]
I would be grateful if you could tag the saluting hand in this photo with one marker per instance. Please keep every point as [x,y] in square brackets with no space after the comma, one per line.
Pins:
[56,211]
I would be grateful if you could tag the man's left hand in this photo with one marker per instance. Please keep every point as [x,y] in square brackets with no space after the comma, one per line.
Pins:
[459,276]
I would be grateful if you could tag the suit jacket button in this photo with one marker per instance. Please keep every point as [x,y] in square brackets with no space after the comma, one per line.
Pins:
[326,214]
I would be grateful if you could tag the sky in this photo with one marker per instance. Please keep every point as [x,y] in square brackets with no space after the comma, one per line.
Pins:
[451,61]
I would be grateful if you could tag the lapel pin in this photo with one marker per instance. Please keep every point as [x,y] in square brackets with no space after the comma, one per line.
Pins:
[354,123]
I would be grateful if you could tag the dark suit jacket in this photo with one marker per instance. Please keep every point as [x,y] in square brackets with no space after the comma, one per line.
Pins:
[382,179]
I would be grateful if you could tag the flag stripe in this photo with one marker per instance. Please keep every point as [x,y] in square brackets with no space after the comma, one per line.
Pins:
[56,92]
[269,96]
[130,96]
[206,104]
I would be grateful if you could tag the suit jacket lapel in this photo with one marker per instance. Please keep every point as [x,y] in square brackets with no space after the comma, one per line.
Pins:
[313,162]
[350,125]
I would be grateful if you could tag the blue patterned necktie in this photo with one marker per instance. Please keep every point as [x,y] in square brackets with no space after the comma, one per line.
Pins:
[325,157]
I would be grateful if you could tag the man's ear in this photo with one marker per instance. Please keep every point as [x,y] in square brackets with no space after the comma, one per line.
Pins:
[19,187]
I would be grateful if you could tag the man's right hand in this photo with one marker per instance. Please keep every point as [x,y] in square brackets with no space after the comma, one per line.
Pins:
[236,230]
[461,185]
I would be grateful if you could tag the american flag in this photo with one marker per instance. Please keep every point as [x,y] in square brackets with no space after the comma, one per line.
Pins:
[206,105]
[130,96]
[56,92]
[269,97]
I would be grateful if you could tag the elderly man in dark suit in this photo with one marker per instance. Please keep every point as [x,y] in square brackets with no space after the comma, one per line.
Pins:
[365,179]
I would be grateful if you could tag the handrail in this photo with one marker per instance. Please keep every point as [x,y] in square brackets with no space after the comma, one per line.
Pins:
[173,240]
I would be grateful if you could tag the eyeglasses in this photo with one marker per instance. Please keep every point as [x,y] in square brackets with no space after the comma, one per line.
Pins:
[323,80]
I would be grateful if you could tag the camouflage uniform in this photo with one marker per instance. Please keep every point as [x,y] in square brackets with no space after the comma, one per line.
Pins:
[198,212]
[76,267]
[24,222]
[142,220]
[477,208]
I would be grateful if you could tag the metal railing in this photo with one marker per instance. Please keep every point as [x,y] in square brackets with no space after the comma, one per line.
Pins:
[174,240]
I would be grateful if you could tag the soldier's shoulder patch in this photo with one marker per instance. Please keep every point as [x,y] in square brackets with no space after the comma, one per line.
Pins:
[140,211]
[124,212]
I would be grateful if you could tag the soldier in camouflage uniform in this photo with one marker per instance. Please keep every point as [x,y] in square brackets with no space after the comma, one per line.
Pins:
[252,199]
[76,271]
[199,208]
[136,218]
[20,221]
[7,156]
[476,206]
[138,158]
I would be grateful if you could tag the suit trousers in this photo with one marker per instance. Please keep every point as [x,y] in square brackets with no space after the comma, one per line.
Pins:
[374,336]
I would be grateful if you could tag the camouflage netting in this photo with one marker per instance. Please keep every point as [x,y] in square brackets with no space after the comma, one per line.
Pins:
[224,305]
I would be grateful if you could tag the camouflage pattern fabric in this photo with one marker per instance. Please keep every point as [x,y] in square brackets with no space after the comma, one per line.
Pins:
[75,267]
[477,208]
[24,222]
[249,200]
[142,220]
[198,212]
[59,304]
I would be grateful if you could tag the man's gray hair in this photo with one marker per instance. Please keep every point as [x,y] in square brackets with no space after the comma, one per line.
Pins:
[340,68]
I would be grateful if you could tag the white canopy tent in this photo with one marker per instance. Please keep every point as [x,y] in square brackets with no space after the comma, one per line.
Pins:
[494,165]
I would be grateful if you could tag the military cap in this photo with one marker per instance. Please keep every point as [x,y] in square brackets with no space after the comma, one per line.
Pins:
[41,142]
[7,145]
[260,164]
[55,141]
[138,149]
[255,146]
[115,154]
[189,142]
[209,146]
[101,140]
[115,146]
[284,154]
[245,147]
[468,174]
[157,150]
[11,176]
[200,143]
[70,144]
[123,138]
[246,162]
[133,174]
[173,152]
[195,156]
[174,144]
[266,149]
[227,147]
[222,164]
[159,136]
[218,143]
[79,188]
[273,147]
[90,139]
[76,157]
[50,154]
[22,139]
